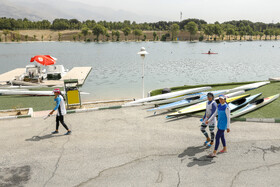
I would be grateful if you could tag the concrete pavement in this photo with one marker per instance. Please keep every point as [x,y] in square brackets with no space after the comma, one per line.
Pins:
[127,147]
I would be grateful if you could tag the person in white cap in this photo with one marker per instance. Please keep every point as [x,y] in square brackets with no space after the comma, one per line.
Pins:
[223,124]
[61,111]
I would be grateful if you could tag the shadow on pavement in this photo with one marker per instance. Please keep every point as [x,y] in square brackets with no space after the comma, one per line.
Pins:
[192,151]
[39,138]
[202,161]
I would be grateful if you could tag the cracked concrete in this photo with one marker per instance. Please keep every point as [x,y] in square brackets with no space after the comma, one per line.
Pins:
[126,148]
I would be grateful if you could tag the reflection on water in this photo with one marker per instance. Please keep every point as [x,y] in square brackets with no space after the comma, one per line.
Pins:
[117,69]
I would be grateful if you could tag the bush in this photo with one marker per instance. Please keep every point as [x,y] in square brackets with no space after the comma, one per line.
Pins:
[201,38]
[163,38]
[88,40]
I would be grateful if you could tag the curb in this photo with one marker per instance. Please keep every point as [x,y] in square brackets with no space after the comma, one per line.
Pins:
[94,109]
[257,120]
[100,108]
[29,115]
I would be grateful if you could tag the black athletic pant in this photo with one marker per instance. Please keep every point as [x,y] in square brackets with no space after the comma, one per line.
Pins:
[61,120]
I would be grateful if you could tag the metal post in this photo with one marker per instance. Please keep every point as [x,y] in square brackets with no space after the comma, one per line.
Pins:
[143,74]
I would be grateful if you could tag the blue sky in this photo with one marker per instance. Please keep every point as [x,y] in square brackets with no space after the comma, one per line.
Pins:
[209,10]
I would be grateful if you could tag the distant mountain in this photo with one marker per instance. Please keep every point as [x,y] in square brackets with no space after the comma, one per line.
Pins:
[51,9]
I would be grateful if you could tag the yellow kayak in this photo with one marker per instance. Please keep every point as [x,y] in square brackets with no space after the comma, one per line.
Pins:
[201,106]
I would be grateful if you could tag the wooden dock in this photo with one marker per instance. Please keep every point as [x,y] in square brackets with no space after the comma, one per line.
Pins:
[80,73]
[10,75]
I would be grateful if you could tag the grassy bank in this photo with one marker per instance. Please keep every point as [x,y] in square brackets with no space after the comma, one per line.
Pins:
[47,103]
[269,111]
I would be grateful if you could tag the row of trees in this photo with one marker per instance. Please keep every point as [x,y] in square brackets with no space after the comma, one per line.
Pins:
[70,24]
[230,29]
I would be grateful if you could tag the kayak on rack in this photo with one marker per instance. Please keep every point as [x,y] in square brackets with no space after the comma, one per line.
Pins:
[168,95]
[186,102]
[202,106]
[242,102]
[253,106]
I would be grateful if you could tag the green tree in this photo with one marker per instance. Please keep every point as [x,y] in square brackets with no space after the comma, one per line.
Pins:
[276,33]
[137,33]
[26,37]
[117,33]
[34,37]
[59,36]
[208,30]
[154,36]
[126,32]
[174,29]
[192,28]
[18,36]
[97,30]
[6,32]
[261,35]
[42,37]
[79,36]
[241,34]
[145,37]
[113,33]
[271,33]
[85,32]
[74,37]
[217,30]
[107,36]
[50,39]
[266,33]
[229,32]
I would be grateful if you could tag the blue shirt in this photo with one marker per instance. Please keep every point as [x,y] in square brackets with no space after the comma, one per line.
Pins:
[223,116]
[57,100]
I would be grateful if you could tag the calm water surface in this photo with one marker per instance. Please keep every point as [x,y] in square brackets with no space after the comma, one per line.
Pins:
[117,69]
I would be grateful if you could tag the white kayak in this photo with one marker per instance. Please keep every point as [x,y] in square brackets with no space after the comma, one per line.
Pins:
[253,106]
[32,93]
[249,86]
[168,95]
[186,102]
[174,99]
[202,105]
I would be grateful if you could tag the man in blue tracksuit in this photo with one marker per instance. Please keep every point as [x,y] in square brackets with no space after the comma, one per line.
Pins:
[209,119]
[223,124]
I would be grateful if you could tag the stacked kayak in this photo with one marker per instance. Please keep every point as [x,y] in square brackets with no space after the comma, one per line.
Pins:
[242,102]
[168,95]
[174,99]
[253,106]
[186,102]
[202,106]
[248,87]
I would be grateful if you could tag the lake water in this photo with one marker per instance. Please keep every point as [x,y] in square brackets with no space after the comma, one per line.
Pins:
[117,69]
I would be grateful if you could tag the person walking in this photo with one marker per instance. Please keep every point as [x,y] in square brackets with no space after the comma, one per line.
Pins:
[61,111]
[223,124]
[209,119]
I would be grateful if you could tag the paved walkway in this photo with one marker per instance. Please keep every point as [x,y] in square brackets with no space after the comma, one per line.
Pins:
[126,147]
